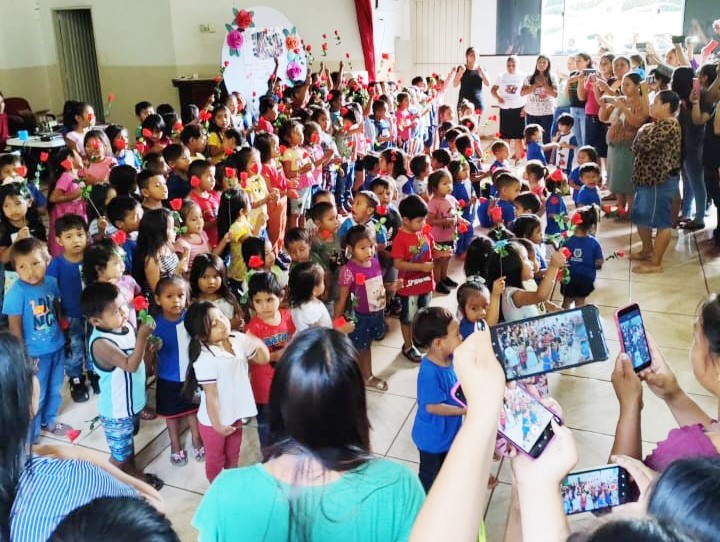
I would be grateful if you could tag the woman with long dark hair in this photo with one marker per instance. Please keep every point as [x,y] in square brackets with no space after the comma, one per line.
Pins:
[541,91]
[471,77]
[318,479]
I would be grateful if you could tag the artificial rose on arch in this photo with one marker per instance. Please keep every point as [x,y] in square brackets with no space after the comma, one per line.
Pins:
[292,43]
[235,39]
[244,19]
[293,71]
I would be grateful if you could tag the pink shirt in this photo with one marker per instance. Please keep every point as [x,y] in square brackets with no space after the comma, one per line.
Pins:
[443,207]
[199,247]
[591,105]
[209,207]
[76,207]
[99,170]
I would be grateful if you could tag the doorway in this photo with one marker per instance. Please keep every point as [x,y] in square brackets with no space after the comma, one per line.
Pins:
[77,58]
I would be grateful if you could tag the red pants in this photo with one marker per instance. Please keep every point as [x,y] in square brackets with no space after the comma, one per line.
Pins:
[220,452]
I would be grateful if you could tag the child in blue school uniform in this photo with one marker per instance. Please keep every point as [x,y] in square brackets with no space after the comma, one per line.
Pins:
[462,192]
[584,259]
[508,187]
[590,178]
[555,208]
[71,234]
[585,154]
[533,142]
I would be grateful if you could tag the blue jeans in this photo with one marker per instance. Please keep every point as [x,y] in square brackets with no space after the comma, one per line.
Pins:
[430,465]
[51,376]
[693,178]
[343,185]
[579,127]
[75,358]
[263,424]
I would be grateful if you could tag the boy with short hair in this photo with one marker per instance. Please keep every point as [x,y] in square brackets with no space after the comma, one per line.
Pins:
[501,151]
[567,143]
[195,139]
[143,110]
[124,180]
[32,305]
[10,164]
[527,203]
[117,354]
[297,245]
[178,158]
[125,213]
[363,209]
[71,233]
[420,168]
[508,188]
[153,189]
[589,193]
[378,127]
[412,257]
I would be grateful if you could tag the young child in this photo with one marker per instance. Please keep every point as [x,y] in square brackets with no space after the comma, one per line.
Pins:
[508,187]
[71,235]
[412,254]
[420,168]
[254,185]
[392,164]
[117,354]
[268,111]
[476,303]
[65,195]
[99,159]
[298,169]
[364,208]
[442,216]
[172,364]
[585,154]
[325,246]
[378,127]
[219,366]
[178,158]
[297,244]
[274,176]
[202,183]
[527,203]
[590,178]
[153,135]
[195,139]
[274,326]
[529,227]
[143,110]
[463,192]
[208,282]
[534,145]
[501,151]
[361,280]
[194,239]
[406,121]
[10,167]
[153,189]
[125,214]
[438,418]
[119,146]
[536,174]
[264,260]
[32,305]
[586,257]
[124,180]
[555,208]
[567,143]
[305,287]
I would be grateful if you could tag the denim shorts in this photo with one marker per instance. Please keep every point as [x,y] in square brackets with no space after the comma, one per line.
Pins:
[411,305]
[301,205]
[119,433]
[368,327]
[653,204]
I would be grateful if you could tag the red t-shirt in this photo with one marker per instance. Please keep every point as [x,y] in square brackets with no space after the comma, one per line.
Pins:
[209,208]
[275,338]
[273,175]
[415,248]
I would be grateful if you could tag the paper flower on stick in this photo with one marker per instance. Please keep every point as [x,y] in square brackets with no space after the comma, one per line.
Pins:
[21,171]
[339,322]
[141,306]
[617,254]
[463,227]
[255,262]
[66,164]
[496,215]
[140,147]
[325,234]
[119,238]
[381,210]
[176,204]
[194,181]
[577,219]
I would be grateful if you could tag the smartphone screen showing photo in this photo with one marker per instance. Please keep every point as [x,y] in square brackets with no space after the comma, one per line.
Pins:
[549,343]
[593,490]
[633,336]
[525,421]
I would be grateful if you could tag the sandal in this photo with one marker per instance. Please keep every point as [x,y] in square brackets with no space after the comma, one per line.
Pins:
[154,481]
[147,414]
[199,454]
[178,459]
[412,354]
[375,383]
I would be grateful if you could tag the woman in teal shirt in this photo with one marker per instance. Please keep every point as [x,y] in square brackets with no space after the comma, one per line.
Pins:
[318,479]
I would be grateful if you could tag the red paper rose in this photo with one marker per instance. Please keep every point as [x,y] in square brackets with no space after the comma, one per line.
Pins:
[255,262]
[462,227]
[254,168]
[282,149]
[496,214]
[308,47]
[244,19]
[557,175]
[360,279]
[120,144]
[140,303]
[91,116]
[620,253]
[324,36]
[226,63]
[386,56]
[177,127]
[565,251]
[21,171]
[577,219]
[339,322]
[73,434]
[147,133]
[462,203]
[482,200]
[66,164]
[111,97]
[44,157]
[607,209]
[140,147]
[229,152]
[468,152]
[325,234]
[119,237]
[205,115]
[315,138]
[176,204]
[230,172]
[381,210]
[194,181]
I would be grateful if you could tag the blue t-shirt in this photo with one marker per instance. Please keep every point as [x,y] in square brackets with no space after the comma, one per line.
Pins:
[508,211]
[68,278]
[129,247]
[380,231]
[177,187]
[460,192]
[432,433]
[36,305]
[554,206]
[574,177]
[467,328]
[535,152]
[409,187]
[499,164]
[584,252]
[588,196]
[173,356]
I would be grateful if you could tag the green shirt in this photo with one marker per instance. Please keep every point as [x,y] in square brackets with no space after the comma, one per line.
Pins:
[375,502]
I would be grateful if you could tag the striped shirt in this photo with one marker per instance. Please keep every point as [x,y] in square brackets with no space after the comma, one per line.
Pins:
[122,394]
[49,489]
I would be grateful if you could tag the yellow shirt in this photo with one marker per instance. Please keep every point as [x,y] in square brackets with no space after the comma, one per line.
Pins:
[257,191]
[214,140]
[239,230]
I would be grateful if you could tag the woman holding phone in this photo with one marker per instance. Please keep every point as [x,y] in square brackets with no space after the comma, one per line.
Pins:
[577,79]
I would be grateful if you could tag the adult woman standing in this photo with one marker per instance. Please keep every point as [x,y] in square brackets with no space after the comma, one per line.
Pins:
[577,105]
[38,491]
[471,78]
[626,114]
[655,175]
[318,480]
[507,91]
[591,92]
[541,91]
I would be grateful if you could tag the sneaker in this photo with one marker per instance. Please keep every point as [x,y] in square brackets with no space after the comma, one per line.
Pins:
[78,391]
[94,382]
[58,429]
[442,288]
[450,282]
[178,459]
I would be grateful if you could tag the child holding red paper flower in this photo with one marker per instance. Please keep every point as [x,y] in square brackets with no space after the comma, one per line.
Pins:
[392,164]
[305,287]
[362,299]
[193,238]
[463,193]
[585,257]
[202,183]
[443,218]
[248,160]
[219,122]
[298,168]
[258,257]
[65,194]
[276,182]
[99,159]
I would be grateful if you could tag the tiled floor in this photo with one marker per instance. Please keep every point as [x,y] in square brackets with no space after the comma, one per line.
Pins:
[669,302]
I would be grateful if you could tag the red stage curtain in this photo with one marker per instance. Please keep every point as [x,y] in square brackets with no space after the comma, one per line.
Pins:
[363,8]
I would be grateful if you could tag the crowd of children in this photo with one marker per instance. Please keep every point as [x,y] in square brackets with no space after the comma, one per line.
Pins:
[198,254]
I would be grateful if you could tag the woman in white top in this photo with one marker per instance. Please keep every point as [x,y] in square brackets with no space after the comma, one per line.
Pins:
[78,118]
[541,89]
[507,91]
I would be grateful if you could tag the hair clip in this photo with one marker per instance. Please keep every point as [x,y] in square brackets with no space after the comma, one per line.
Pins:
[476,279]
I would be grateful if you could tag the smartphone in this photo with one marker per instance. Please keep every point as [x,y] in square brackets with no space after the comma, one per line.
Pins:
[633,340]
[524,420]
[641,46]
[551,342]
[597,490]
[589,71]
[696,85]
[678,39]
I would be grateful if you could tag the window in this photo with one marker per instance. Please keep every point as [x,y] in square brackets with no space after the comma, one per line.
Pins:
[571,26]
